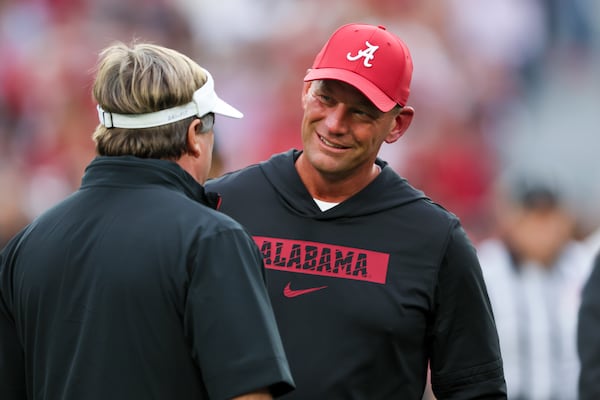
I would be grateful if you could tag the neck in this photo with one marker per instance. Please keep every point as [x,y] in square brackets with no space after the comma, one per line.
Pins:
[334,187]
[189,164]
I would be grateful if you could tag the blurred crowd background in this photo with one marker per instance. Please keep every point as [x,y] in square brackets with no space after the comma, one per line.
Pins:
[502,88]
[506,93]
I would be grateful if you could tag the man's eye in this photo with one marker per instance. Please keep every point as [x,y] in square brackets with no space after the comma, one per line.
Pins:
[325,99]
[363,114]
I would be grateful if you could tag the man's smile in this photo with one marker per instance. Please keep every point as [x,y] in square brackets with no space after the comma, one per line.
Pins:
[331,144]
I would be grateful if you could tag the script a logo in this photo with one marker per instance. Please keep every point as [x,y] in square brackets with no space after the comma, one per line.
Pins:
[289,292]
[368,54]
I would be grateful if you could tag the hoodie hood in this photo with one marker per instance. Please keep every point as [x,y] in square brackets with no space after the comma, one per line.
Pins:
[387,191]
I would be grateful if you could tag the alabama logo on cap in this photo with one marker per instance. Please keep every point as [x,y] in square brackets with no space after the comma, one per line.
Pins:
[368,54]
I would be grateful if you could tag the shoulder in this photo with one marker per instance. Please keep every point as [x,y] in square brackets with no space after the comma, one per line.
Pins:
[394,192]
[245,173]
[421,202]
[592,284]
[211,221]
[12,245]
[233,178]
[241,180]
[437,219]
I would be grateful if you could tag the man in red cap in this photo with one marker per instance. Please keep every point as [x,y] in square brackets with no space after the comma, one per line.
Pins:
[371,281]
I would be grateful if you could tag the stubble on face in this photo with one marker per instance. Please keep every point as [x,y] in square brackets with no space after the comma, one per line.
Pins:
[342,131]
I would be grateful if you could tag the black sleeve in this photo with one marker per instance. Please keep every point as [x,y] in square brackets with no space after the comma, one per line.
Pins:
[230,321]
[588,336]
[465,356]
[12,362]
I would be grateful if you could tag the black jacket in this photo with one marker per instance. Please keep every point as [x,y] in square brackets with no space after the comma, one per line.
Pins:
[588,336]
[132,288]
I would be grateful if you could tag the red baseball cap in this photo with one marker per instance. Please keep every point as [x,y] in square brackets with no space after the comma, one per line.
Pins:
[371,59]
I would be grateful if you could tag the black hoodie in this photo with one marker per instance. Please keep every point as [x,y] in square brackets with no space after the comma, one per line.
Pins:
[368,292]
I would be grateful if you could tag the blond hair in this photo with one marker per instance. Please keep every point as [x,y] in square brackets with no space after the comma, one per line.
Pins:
[140,79]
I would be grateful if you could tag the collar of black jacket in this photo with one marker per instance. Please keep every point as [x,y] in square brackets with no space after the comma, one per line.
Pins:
[134,171]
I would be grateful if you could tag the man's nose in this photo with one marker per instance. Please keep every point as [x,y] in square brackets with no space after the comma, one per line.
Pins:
[337,119]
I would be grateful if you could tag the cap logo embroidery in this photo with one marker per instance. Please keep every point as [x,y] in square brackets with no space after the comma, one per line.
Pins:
[368,54]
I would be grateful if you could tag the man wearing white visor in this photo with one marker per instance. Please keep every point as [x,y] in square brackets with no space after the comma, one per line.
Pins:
[134,287]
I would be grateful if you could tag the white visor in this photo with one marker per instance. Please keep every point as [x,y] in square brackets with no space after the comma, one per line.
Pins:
[205,101]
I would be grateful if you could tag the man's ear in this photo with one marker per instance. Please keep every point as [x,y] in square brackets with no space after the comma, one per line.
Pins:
[401,123]
[193,141]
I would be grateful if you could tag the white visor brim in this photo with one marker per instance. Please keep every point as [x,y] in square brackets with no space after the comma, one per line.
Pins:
[205,100]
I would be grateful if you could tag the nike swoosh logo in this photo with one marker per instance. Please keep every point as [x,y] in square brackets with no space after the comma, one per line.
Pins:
[289,292]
